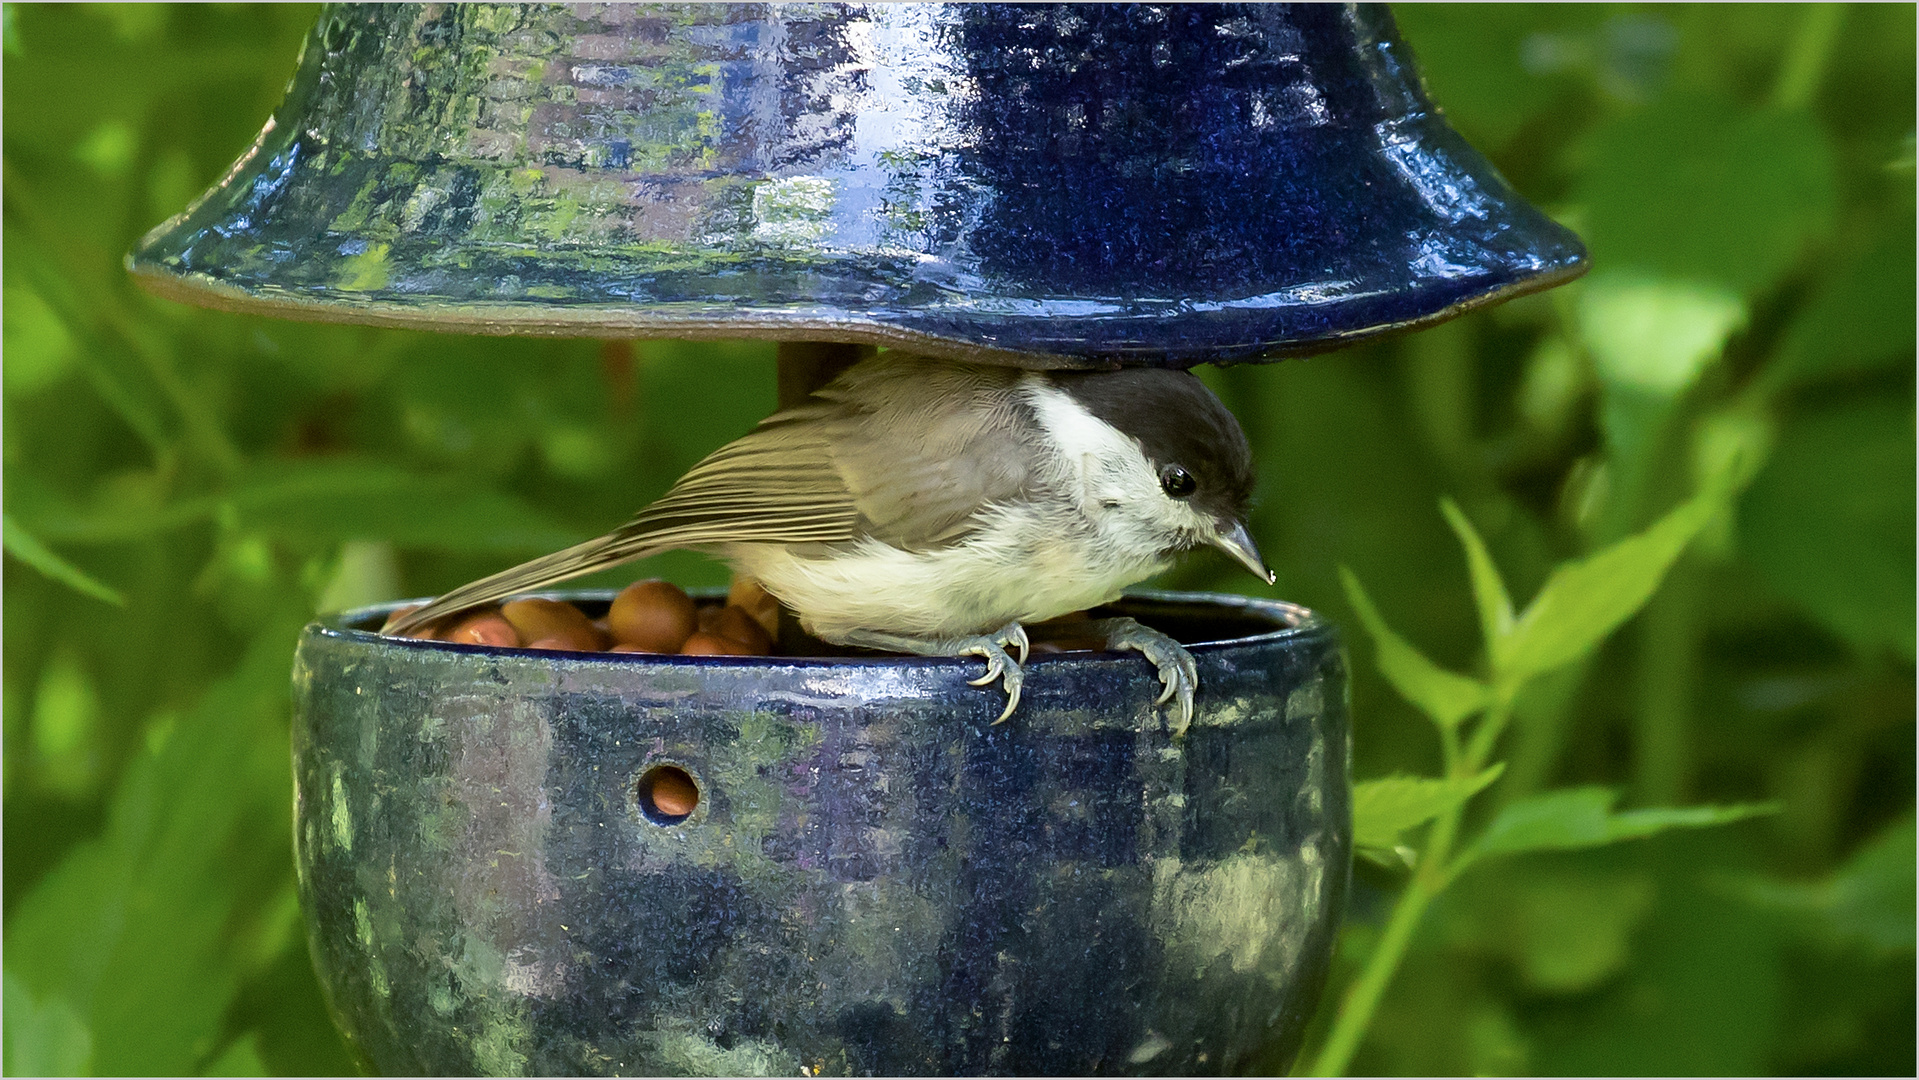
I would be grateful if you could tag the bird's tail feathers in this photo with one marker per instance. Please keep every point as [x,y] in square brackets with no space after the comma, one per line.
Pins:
[596,554]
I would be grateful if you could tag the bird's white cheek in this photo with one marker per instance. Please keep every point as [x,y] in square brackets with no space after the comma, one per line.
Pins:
[1112,485]
[1101,489]
[1196,528]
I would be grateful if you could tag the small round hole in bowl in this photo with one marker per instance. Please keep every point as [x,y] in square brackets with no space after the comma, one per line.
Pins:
[667,794]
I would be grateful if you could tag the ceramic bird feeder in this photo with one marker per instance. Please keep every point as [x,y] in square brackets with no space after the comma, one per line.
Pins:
[519,861]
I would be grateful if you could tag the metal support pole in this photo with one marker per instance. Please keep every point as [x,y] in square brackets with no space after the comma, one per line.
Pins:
[805,366]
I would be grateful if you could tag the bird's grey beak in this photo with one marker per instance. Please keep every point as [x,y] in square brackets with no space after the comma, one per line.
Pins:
[1234,540]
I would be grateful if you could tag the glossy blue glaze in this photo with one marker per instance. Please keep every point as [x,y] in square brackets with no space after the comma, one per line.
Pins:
[876,879]
[1048,185]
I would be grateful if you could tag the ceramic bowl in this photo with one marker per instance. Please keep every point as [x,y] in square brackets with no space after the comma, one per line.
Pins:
[515,861]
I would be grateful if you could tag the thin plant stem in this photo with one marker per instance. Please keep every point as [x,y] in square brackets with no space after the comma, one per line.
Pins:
[1430,878]
[1669,633]
[1804,65]
[1486,735]
[1362,997]
[1449,747]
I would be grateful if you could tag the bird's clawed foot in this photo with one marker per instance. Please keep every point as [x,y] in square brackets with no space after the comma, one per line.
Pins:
[999,663]
[1178,673]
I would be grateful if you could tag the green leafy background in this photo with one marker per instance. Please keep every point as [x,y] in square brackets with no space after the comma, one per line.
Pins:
[183,489]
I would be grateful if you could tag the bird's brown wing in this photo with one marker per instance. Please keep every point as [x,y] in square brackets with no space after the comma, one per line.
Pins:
[900,449]
[928,444]
[903,450]
[776,484]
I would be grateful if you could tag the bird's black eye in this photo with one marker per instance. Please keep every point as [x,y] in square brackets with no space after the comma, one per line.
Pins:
[1177,482]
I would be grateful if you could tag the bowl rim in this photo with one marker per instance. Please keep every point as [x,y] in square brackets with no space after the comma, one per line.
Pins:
[1304,626]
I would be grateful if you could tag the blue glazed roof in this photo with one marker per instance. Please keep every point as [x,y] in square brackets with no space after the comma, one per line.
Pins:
[1051,185]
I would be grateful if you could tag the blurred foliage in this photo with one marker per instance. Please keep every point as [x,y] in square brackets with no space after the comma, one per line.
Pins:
[1582,602]
[184,488]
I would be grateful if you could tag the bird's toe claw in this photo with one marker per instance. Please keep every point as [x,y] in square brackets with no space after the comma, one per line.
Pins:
[999,664]
[1014,680]
[1015,634]
[991,647]
[1178,672]
[993,670]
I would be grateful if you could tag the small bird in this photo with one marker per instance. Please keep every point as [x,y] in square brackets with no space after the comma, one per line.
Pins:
[932,507]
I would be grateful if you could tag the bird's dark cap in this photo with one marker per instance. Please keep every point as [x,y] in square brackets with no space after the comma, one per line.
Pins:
[1178,421]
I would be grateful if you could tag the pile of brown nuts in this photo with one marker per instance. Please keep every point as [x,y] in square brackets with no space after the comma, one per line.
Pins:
[659,617]
[646,617]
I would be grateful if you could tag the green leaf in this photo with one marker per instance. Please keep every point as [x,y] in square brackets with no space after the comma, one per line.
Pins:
[1729,447]
[21,545]
[369,573]
[240,1058]
[1694,188]
[1860,319]
[134,929]
[337,500]
[39,348]
[1382,809]
[1583,817]
[1445,696]
[1586,599]
[1478,62]
[44,1037]
[1828,522]
[1655,335]
[1489,589]
[66,727]
[1867,902]
[365,500]
[1568,932]
[1650,339]
[114,374]
[1870,898]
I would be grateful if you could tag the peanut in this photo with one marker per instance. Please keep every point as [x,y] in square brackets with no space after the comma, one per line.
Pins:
[483,628]
[738,624]
[536,620]
[398,614]
[654,615]
[746,593]
[705,644]
[672,794]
